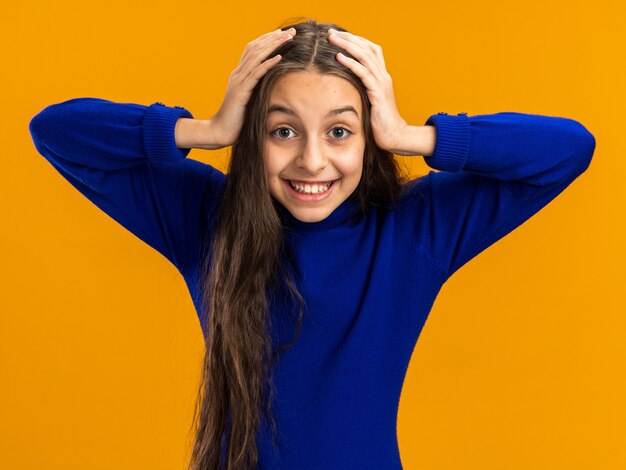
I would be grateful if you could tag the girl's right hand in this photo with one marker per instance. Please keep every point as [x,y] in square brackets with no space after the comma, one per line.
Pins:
[226,124]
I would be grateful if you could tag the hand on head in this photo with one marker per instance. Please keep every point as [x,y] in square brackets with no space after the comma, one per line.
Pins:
[369,66]
[386,121]
[227,122]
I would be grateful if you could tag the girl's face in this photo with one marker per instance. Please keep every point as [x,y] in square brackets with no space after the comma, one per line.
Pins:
[313,138]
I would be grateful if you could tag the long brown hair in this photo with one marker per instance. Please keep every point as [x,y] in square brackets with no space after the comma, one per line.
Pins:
[241,268]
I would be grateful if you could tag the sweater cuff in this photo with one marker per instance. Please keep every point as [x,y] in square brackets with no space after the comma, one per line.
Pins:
[159,141]
[452,141]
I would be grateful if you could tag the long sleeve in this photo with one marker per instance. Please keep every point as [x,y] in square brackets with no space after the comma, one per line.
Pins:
[496,171]
[123,157]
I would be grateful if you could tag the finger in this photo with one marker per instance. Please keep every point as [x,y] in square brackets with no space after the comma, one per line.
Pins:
[272,39]
[261,70]
[360,70]
[345,39]
[363,54]
[260,52]
[246,86]
[253,46]
[261,55]
[348,42]
[248,66]
[269,41]
[349,36]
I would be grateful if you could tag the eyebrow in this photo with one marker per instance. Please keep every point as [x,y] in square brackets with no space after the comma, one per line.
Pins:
[332,112]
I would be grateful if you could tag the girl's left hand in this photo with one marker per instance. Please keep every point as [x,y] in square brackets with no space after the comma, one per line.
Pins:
[387,124]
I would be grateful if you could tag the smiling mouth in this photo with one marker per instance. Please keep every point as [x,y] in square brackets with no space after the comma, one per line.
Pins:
[304,187]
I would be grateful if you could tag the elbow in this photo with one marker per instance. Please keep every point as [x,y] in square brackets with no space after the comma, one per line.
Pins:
[48,128]
[583,144]
[36,127]
[39,126]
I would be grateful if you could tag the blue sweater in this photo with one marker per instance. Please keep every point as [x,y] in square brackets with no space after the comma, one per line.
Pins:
[369,282]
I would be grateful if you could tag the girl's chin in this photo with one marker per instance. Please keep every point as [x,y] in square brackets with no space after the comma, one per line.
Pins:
[307,213]
[309,216]
[309,207]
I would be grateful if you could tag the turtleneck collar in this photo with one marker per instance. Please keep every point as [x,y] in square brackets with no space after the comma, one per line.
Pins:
[347,210]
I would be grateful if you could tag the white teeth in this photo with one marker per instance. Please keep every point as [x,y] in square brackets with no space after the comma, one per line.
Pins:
[310,189]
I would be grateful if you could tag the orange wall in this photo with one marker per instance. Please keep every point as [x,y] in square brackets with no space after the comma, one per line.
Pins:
[521,363]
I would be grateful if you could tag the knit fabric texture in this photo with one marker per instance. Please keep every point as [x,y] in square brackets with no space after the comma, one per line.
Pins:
[369,281]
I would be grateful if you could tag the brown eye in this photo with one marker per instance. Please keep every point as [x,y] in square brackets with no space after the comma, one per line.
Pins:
[345,133]
[281,132]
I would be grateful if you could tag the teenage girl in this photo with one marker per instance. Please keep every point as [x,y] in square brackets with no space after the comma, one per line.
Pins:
[313,263]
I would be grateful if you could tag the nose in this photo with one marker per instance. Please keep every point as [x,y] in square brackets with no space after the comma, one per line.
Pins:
[312,158]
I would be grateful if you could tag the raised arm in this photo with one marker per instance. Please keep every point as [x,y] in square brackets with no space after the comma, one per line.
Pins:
[125,159]
[496,171]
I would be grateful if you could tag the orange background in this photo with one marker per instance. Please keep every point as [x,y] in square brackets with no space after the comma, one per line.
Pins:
[521,363]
